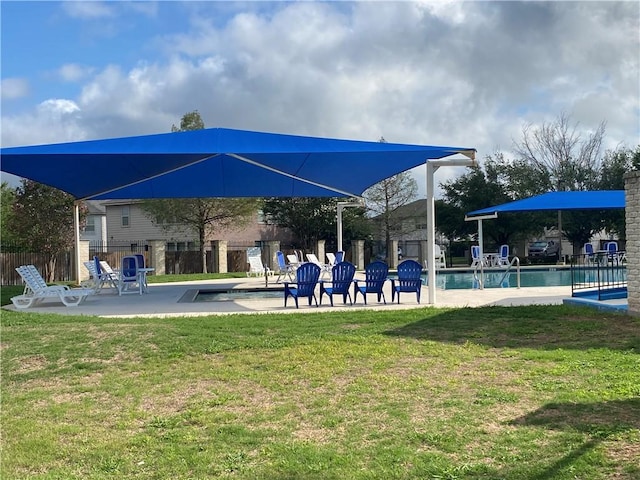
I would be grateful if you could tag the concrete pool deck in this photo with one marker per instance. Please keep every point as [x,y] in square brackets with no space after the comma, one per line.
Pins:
[163,300]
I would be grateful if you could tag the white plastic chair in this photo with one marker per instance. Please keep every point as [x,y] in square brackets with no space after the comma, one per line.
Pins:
[257,268]
[476,260]
[36,290]
[503,256]
[325,269]
[129,279]
[441,261]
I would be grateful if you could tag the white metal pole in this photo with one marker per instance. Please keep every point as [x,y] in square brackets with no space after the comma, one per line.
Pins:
[481,246]
[76,227]
[431,235]
[340,208]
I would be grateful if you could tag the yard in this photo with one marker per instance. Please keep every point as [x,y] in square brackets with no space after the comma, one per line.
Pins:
[486,393]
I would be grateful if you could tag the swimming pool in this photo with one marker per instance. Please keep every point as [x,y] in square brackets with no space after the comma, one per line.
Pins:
[237,294]
[496,279]
[539,277]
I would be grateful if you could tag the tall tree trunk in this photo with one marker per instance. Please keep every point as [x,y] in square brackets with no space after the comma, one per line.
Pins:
[203,251]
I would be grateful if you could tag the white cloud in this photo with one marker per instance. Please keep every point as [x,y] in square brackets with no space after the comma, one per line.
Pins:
[463,74]
[72,72]
[13,88]
[88,9]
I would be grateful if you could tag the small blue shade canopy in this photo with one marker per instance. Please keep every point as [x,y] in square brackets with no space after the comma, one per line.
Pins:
[216,162]
[584,200]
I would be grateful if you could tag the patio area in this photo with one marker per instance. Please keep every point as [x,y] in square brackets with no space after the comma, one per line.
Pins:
[173,299]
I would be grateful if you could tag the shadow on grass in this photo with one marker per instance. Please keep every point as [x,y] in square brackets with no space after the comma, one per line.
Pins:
[534,326]
[599,420]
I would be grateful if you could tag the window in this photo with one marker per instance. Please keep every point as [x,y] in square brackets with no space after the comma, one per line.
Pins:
[90,226]
[125,216]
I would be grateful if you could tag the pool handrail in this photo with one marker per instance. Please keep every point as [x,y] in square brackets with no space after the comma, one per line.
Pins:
[480,279]
[515,260]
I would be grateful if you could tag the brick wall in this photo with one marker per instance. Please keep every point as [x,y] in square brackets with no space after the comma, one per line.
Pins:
[632,214]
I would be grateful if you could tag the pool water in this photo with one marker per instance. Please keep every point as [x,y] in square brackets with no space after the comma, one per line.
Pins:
[237,294]
[528,278]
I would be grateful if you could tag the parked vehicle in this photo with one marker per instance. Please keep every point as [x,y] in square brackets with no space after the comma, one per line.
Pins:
[544,250]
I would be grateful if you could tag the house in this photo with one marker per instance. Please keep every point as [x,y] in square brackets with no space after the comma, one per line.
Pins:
[126,222]
[95,229]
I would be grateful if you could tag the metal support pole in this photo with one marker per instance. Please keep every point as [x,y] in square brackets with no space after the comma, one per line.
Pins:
[431,235]
[341,207]
[481,246]
[432,166]
[76,228]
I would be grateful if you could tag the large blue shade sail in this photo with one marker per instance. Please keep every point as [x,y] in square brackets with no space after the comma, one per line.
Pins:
[584,200]
[217,163]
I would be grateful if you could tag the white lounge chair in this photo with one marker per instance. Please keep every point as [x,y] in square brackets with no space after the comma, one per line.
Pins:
[36,290]
[257,268]
[441,261]
[99,276]
[325,269]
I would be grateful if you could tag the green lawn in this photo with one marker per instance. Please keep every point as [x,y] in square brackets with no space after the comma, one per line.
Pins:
[487,393]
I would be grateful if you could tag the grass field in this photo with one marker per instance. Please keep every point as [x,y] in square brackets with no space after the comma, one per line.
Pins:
[487,393]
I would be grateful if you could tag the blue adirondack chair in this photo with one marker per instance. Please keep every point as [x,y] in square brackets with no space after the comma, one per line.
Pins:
[307,276]
[375,276]
[341,278]
[409,279]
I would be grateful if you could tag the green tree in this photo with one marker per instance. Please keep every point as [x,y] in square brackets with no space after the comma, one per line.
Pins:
[7,200]
[203,216]
[42,219]
[614,165]
[384,200]
[480,188]
[311,219]
[565,158]
[189,121]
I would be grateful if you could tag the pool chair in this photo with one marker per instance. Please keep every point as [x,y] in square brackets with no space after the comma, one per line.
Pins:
[341,278]
[37,290]
[375,277]
[325,268]
[502,260]
[409,279]
[441,261]
[307,276]
[284,269]
[476,260]
[257,268]
[612,251]
[129,278]
[99,276]
[589,254]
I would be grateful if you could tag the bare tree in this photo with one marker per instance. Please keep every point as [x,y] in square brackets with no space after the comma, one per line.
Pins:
[571,159]
[383,200]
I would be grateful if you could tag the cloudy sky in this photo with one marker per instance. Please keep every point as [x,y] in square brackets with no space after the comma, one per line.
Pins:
[468,74]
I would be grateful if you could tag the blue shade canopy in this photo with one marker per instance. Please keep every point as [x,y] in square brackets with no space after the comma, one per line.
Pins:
[217,162]
[589,200]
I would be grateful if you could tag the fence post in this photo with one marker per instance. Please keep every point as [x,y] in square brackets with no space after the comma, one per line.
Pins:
[219,256]
[320,250]
[157,258]
[271,247]
[357,253]
[84,255]
[423,253]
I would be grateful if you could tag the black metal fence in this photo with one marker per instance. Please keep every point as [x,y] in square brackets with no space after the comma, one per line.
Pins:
[599,276]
